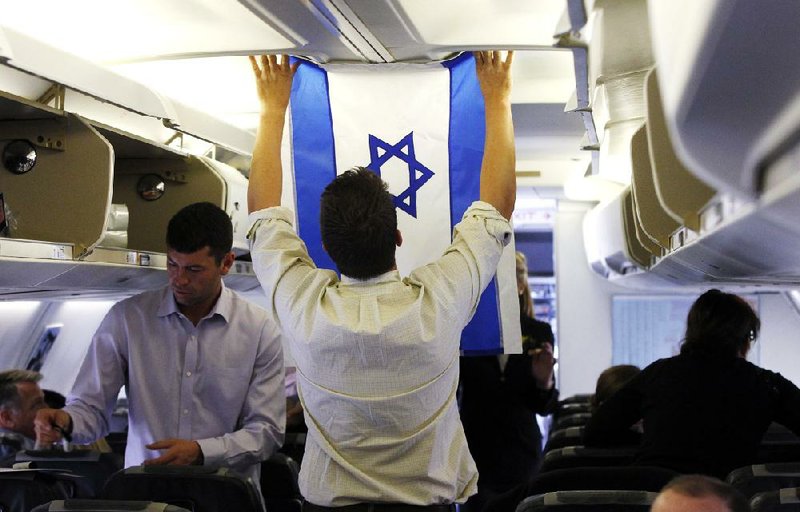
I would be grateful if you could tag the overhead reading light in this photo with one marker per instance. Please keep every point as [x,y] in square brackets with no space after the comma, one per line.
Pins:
[150,187]
[19,156]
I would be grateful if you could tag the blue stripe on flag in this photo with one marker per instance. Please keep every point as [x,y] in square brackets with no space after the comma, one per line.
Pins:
[467,132]
[313,154]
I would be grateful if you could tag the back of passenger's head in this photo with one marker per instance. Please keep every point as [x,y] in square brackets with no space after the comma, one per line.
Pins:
[611,380]
[358,223]
[699,487]
[720,324]
[9,394]
[199,225]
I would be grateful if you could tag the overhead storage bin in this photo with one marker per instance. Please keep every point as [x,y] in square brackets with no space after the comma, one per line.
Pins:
[86,205]
[729,72]
[681,194]
[64,194]
[656,222]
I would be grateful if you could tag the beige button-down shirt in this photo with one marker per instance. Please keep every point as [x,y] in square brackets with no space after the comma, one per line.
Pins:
[377,362]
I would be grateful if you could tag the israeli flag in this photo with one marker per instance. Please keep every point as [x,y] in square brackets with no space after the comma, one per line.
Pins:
[421,128]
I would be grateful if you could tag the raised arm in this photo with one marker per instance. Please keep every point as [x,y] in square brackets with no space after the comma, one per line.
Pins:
[274,84]
[498,179]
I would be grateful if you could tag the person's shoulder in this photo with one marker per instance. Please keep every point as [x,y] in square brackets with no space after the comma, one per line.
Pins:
[142,300]
[239,303]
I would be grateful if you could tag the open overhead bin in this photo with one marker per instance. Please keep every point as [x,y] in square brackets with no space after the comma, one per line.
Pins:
[86,205]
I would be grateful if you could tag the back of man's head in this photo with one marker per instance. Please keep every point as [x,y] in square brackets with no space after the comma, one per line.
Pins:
[699,493]
[199,225]
[358,224]
[9,394]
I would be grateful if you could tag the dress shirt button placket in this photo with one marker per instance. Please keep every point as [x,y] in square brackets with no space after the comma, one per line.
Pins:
[187,380]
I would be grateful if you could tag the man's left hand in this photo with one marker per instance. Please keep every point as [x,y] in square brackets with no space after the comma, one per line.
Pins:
[178,451]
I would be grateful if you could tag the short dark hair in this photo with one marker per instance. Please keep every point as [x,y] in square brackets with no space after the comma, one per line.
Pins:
[611,380]
[199,225]
[9,394]
[720,324]
[358,223]
[700,486]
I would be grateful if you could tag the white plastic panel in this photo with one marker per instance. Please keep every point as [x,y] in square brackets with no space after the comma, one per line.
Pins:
[729,72]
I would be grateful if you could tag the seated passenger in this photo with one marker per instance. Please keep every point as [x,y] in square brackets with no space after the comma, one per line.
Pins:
[611,380]
[699,493]
[20,399]
[705,410]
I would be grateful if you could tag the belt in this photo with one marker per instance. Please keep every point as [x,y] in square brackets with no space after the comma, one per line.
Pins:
[379,507]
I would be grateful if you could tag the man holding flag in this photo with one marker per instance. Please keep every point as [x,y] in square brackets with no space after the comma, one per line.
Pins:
[377,355]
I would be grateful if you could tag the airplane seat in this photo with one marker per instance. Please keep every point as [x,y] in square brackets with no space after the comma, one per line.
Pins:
[575,399]
[279,484]
[783,500]
[589,501]
[94,467]
[581,456]
[118,441]
[197,488]
[106,506]
[561,438]
[603,478]
[23,489]
[570,409]
[578,419]
[751,480]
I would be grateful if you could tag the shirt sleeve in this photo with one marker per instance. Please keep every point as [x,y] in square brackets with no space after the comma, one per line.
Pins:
[99,380]
[263,416]
[469,264]
[287,273]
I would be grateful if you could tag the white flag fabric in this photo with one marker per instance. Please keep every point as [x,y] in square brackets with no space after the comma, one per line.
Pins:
[421,128]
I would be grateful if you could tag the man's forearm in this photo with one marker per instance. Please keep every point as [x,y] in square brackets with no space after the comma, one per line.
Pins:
[266,173]
[498,178]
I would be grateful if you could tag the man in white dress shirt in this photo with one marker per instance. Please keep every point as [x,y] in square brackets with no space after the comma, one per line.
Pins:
[377,356]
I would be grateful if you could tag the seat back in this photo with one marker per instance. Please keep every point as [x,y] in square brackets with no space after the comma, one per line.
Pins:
[279,484]
[580,456]
[21,489]
[783,500]
[589,501]
[195,488]
[642,478]
[95,467]
[561,438]
[106,506]
[577,419]
[751,480]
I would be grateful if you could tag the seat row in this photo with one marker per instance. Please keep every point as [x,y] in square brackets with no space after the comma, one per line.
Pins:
[39,480]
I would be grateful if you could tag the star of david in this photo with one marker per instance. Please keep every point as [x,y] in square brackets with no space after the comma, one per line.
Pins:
[381,152]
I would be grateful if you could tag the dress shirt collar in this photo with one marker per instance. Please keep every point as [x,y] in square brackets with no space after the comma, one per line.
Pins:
[392,275]
[223,307]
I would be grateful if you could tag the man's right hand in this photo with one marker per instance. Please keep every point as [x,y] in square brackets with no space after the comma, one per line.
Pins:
[49,424]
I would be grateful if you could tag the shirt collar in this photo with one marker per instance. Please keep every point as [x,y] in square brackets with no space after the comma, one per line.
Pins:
[392,275]
[223,307]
